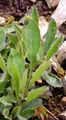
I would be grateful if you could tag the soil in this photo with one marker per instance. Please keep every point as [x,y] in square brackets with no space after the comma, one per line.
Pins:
[18,8]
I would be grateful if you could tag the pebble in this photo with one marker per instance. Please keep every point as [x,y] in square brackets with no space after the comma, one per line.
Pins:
[64,85]
[52,3]
[61,55]
[2,21]
[63,101]
[59,15]
[63,115]
[33,0]
[43,26]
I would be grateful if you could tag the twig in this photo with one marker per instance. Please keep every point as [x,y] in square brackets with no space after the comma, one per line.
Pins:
[51,114]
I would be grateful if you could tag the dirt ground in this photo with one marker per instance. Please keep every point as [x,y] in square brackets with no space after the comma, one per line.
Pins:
[20,7]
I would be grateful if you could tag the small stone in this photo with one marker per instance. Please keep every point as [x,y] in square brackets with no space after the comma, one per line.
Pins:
[63,101]
[61,55]
[39,81]
[59,15]
[64,85]
[2,21]
[33,0]
[63,115]
[52,3]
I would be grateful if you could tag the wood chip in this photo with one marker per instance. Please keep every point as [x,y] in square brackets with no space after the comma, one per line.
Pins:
[63,101]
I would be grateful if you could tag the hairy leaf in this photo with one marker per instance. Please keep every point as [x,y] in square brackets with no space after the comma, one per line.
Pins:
[27,113]
[2,63]
[33,104]
[23,80]
[50,35]
[35,15]
[6,113]
[53,49]
[12,38]
[16,80]
[21,118]
[15,58]
[8,100]
[42,68]
[32,41]
[16,111]
[36,93]
[53,80]
[2,37]
[18,31]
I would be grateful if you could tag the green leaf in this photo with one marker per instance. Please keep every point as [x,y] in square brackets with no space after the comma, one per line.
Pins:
[16,80]
[35,15]
[53,80]
[2,63]
[8,100]
[36,103]
[36,93]
[3,83]
[2,37]
[18,31]
[31,106]
[15,58]
[5,53]
[12,38]
[27,113]
[23,80]
[6,113]
[2,107]
[9,28]
[50,35]
[53,49]
[21,118]
[42,68]
[16,111]
[32,41]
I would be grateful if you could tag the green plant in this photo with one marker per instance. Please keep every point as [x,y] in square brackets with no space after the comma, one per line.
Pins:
[23,59]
